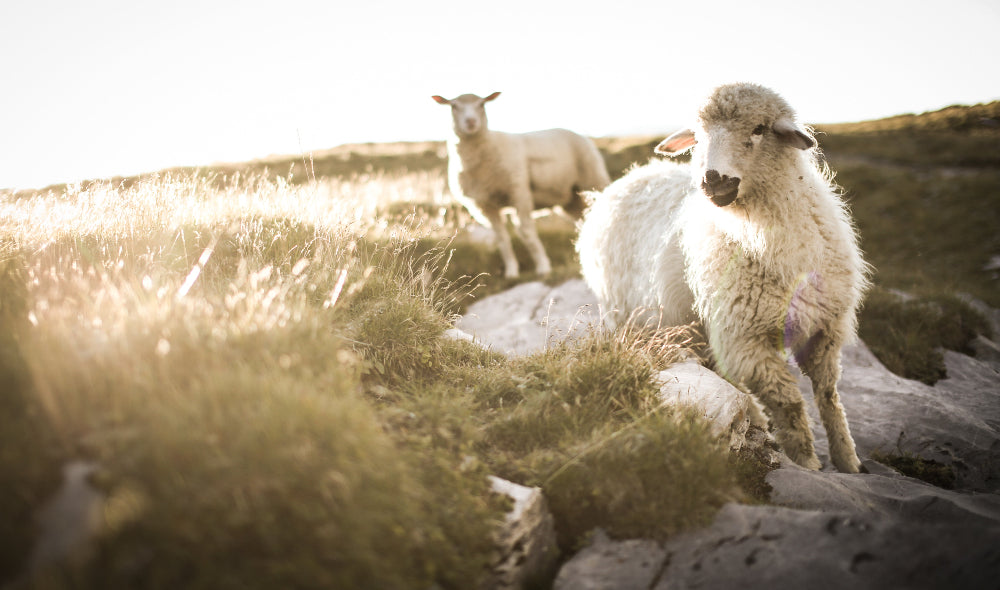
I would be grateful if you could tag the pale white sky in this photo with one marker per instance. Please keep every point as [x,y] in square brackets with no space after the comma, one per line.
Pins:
[92,89]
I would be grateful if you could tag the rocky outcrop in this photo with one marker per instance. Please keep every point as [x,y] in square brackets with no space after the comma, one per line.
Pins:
[775,547]
[528,317]
[825,529]
[956,422]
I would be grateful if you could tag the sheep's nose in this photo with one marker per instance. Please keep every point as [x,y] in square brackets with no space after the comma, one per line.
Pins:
[722,189]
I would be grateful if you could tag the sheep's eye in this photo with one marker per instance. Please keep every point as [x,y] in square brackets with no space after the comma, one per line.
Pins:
[759,130]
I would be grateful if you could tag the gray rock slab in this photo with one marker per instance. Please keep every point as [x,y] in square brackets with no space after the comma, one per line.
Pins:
[957,421]
[530,316]
[774,547]
[886,494]
[635,564]
[730,412]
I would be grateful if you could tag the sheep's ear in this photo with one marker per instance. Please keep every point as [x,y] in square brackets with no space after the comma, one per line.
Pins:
[790,134]
[676,144]
[441,99]
[491,97]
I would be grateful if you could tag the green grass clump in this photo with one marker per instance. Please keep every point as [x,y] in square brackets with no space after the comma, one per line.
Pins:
[583,422]
[927,470]
[662,474]
[907,334]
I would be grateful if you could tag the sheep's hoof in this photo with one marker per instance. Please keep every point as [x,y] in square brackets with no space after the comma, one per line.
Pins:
[807,460]
[812,463]
[851,465]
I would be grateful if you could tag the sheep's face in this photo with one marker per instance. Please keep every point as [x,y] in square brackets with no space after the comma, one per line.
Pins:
[468,113]
[742,129]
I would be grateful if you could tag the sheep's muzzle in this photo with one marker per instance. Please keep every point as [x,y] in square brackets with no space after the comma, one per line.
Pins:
[720,188]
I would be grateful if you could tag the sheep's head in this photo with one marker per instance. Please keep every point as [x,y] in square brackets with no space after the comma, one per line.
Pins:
[742,130]
[468,113]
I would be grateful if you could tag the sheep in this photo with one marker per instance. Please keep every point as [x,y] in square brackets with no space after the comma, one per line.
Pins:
[754,240]
[489,171]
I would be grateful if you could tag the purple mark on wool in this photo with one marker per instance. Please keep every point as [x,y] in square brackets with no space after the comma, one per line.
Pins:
[799,337]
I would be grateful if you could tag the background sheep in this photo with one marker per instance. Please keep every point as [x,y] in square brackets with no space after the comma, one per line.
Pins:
[489,171]
[751,238]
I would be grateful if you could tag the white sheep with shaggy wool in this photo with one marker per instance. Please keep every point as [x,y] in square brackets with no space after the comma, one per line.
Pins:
[491,171]
[752,239]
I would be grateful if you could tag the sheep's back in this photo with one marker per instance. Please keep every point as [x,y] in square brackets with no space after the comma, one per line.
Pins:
[629,245]
[560,161]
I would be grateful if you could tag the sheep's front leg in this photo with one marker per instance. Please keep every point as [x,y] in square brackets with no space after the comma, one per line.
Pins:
[761,368]
[821,363]
[496,220]
[529,233]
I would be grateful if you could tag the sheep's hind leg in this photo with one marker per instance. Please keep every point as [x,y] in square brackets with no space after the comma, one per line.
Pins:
[495,217]
[768,377]
[821,363]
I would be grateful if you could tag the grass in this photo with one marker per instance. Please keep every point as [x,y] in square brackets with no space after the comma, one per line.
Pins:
[907,334]
[927,470]
[259,371]
[923,189]
[953,136]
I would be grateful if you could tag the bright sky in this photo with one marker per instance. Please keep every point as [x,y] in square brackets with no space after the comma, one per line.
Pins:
[104,87]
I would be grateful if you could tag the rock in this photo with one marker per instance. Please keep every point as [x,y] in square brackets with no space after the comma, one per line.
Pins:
[526,542]
[956,422]
[987,351]
[867,531]
[773,547]
[69,521]
[826,529]
[613,565]
[730,411]
[885,495]
[526,318]
[456,334]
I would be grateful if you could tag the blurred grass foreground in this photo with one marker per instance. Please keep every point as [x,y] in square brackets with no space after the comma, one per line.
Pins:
[252,361]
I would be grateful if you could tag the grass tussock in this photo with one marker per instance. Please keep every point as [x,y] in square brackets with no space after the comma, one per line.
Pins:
[907,334]
[927,470]
[583,421]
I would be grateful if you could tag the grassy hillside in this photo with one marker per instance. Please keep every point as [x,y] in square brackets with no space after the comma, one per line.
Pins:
[925,192]
[255,362]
